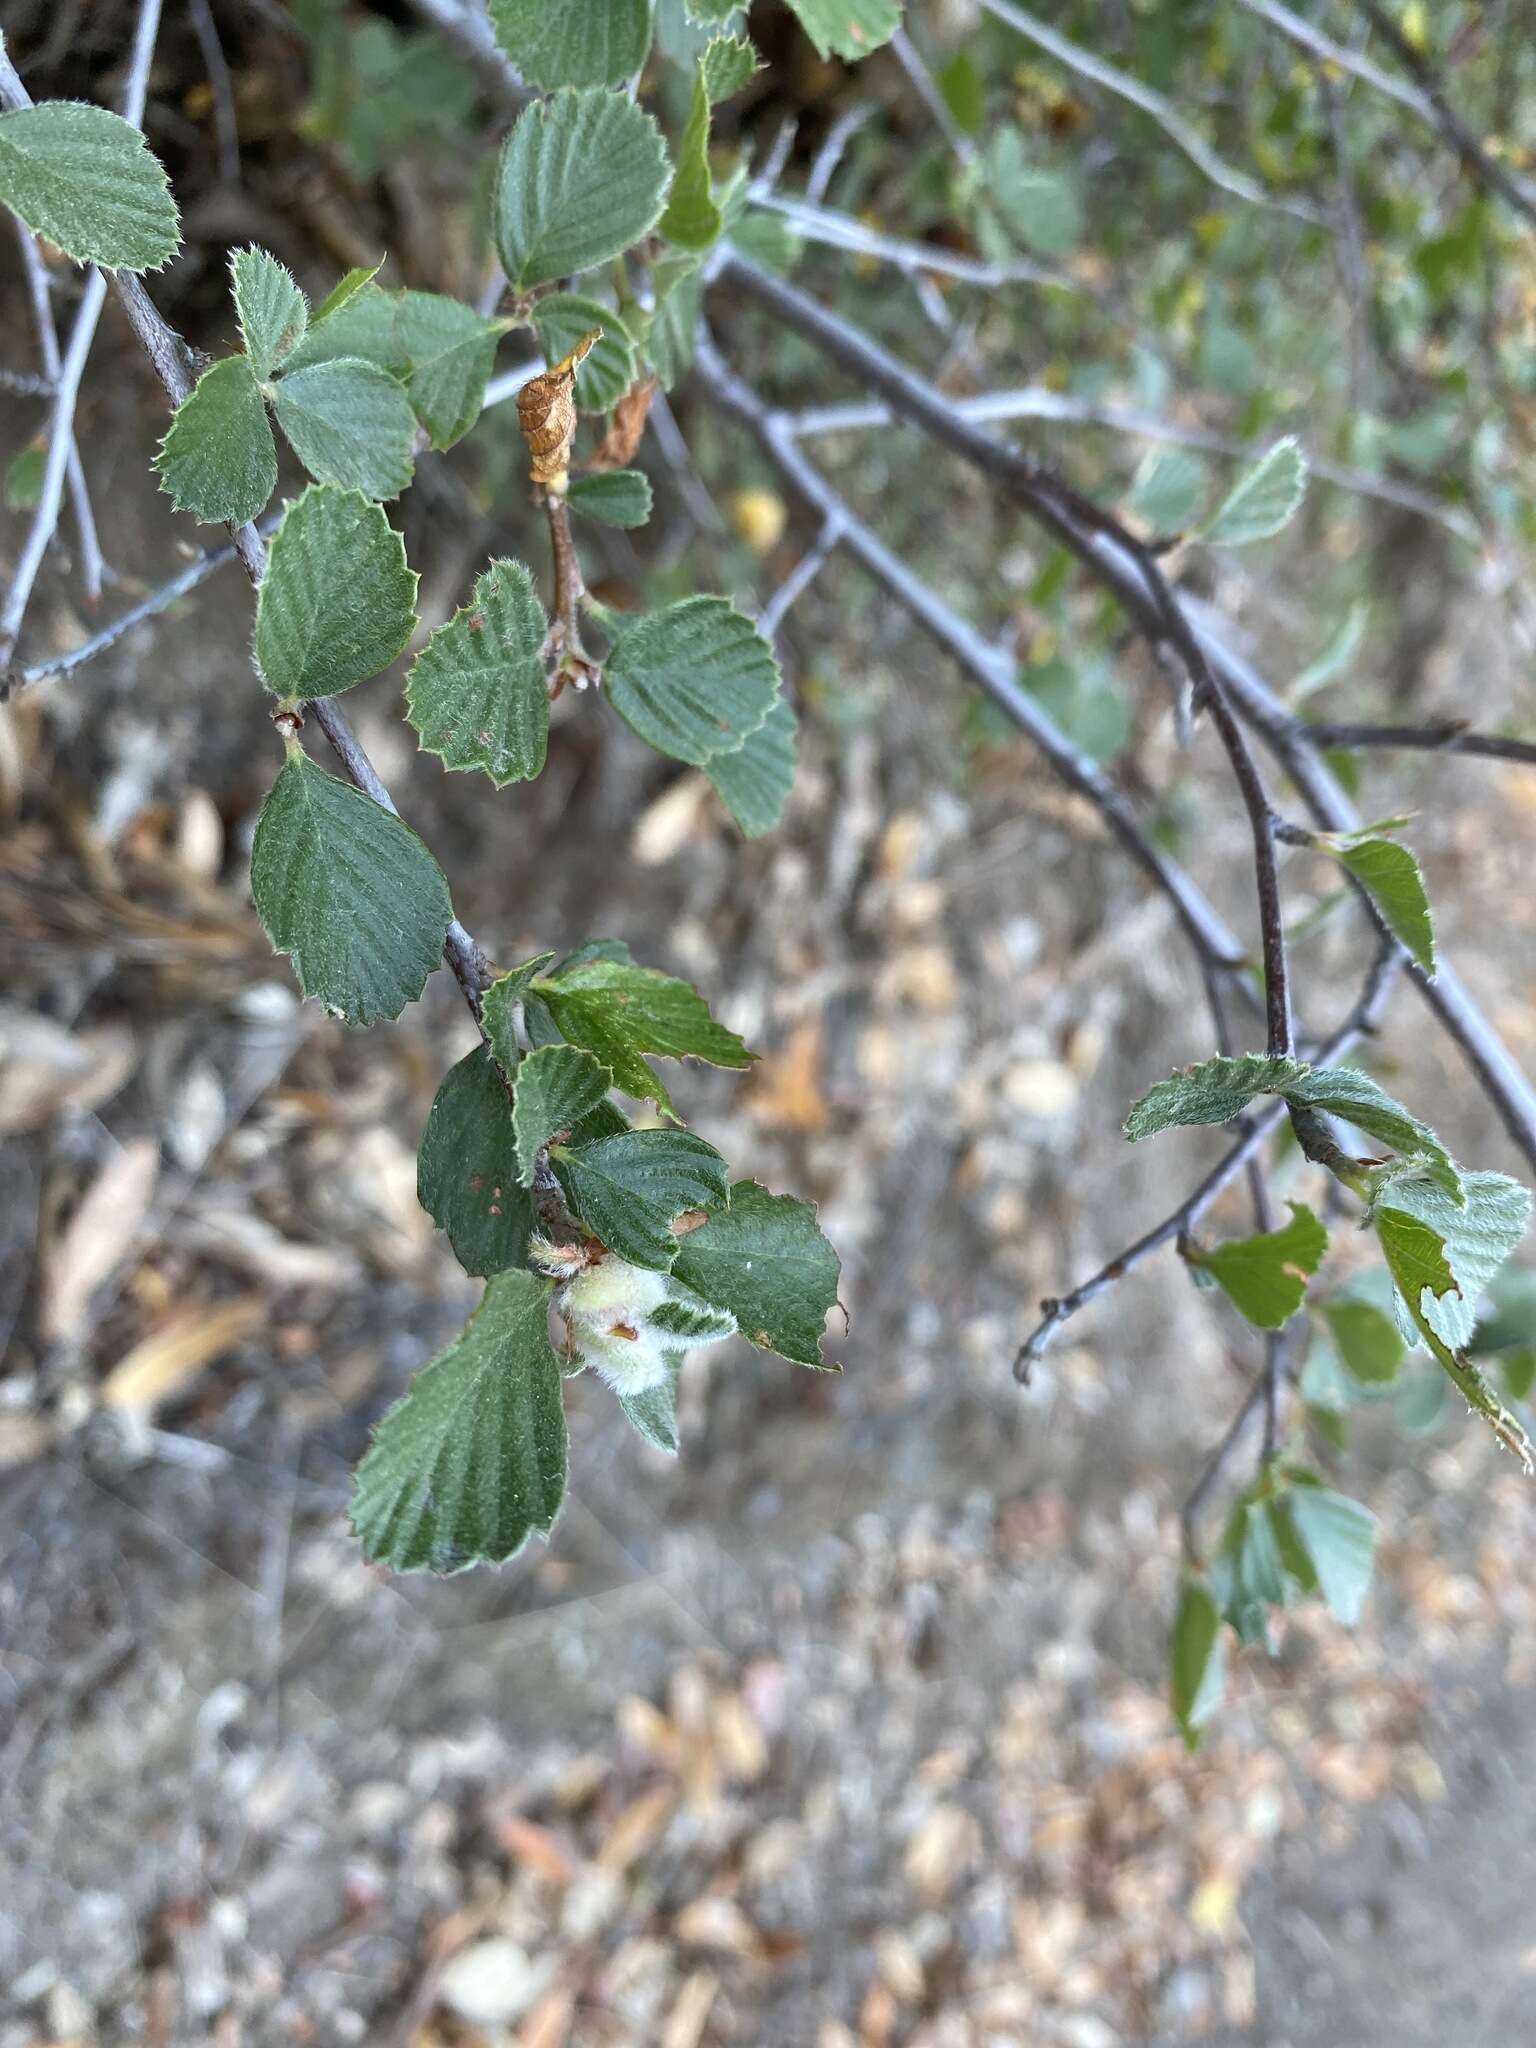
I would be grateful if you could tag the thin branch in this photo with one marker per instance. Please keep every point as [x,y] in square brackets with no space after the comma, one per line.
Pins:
[226,128]
[48,348]
[1167,116]
[1447,736]
[1217,1463]
[1121,570]
[1057,1311]
[1034,402]
[831,153]
[136,85]
[799,579]
[920,78]
[992,667]
[50,496]
[1453,129]
[172,363]
[196,572]
[913,259]
[1293,745]
[1309,38]
[1073,520]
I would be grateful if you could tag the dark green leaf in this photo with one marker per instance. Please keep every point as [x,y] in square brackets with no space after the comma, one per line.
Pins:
[581,178]
[574,42]
[629,1189]
[498,1010]
[466,1171]
[1212,1093]
[451,351]
[1266,1276]
[1349,1093]
[218,460]
[270,308]
[619,1013]
[1391,875]
[349,423]
[654,1414]
[693,681]
[556,1087]
[476,694]
[471,1462]
[755,782]
[692,219]
[1197,1660]
[848,28]
[337,603]
[88,181]
[349,892]
[615,497]
[766,1261]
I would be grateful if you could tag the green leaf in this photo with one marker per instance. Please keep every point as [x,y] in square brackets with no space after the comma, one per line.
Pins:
[1442,1258]
[1211,1093]
[1391,875]
[1336,655]
[654,1414]
[341,294]
[337,603]
[451,352]
[694,680]
[574,42]
[728,64]
[349,423]
[669,340]
[218,460]
[1367,1340]
[498,1010]
[1197,1660]
[471,1461]
[614,497]
[1264,500]
[1170,490]
[1339,1538]
[561,321]
[692,219]
[556,1087]
[1350,1093]
[848,28]
[349,892]
[690,1319]
[88,181]
[476,693]
[466,1170]
[1476,1240]
[24,477]
[755,782]
[1041,207]
[1266,1276]
[629,1189]
[581,178]
[270,308]
[361,323]
[619,1012]
[766,1261]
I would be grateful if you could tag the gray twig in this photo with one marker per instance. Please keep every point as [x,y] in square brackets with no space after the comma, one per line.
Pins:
[990,666]
[226,128]
[48,348]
